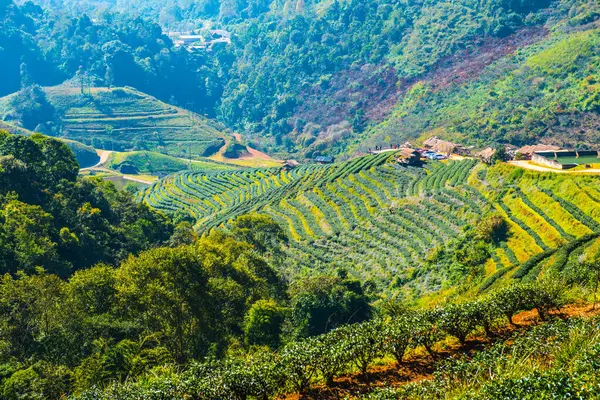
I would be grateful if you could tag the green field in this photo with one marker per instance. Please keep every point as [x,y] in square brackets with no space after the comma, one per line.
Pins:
[123,119]
[147,162]
[387,223]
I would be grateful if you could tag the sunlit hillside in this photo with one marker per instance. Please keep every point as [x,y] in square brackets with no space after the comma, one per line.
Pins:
[122,119]
[400,226]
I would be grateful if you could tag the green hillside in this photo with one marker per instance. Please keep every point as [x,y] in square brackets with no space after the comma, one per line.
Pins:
[147,162]
[203,254]
[547,91]
[122,119]
[86,155]
[406,229]
[313,76]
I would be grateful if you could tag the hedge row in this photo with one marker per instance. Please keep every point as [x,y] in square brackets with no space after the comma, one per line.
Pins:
[298,365]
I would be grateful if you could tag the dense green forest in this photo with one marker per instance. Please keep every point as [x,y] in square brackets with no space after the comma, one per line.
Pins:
[331,76]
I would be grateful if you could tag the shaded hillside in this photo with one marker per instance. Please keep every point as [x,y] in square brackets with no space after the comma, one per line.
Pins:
[305,76]
[121,119]
[49,218]
[86,156]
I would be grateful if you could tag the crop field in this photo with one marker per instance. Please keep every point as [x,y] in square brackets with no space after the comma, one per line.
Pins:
[147,162]
[122,118]
[384,222]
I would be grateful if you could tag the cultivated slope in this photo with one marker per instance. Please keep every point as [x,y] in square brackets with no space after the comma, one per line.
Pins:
[407,229]
[124,119]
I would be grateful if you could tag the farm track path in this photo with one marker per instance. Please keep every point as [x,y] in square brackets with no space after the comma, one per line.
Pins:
[104,154]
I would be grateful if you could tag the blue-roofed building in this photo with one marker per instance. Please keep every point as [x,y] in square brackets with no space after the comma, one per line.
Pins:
[324,159]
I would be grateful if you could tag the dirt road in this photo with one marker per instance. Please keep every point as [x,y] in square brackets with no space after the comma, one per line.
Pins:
[104,154]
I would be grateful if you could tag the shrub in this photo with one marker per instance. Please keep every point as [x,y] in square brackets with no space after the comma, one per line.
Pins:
[263,324]
[545,296]
[300,364]
[485,314]
[331,355]
[260,376]
[492,279]
[510,300]
[458,320]
[397,336]
[24,384]
[424,330]
[362,343]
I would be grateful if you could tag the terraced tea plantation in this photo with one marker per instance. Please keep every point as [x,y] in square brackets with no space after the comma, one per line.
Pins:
[396,225]
[123,118]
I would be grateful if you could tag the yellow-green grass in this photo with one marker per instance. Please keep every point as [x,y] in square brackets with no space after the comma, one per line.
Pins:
[592,249]
[249,162]
[568,190]
[549,235]
[502,256]
[291,229]
[302,218]
[519,241]
[490,267]
[382,232]
[555,211]
[316,213]
[335,207]
[156,163]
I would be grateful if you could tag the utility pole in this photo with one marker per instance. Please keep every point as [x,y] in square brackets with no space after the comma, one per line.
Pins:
[190,105]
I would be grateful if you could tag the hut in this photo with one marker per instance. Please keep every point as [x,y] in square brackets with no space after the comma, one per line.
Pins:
[486,155]
[409,157]
[527,151]
[444,147]
[290,165]
[324,159]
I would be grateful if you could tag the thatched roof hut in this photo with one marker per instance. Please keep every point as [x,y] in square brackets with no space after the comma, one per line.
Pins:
[486,154]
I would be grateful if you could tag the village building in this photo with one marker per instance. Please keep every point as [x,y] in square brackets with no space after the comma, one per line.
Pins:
[290,165]
[409,157]
[486,155]
[526,152]
[444,147]
[324,159]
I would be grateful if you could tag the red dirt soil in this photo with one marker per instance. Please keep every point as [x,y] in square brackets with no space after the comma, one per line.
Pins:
[253,152]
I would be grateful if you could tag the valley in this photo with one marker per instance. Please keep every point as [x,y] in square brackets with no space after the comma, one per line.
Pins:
[299,199]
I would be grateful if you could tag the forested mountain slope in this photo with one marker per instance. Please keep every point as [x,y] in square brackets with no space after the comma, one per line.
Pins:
[48,47]
[339,76]
[103,296]
[547,91]
[52,220]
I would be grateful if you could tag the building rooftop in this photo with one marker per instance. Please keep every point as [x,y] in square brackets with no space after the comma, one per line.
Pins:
[537,147]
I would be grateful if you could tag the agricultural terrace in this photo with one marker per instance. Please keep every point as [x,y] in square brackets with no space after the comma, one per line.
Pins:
[395,225]
[147,162]
[122,118]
